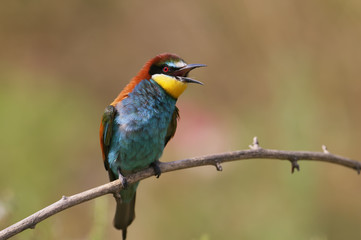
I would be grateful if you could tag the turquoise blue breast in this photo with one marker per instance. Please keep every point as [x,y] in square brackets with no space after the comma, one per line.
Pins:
[140,127]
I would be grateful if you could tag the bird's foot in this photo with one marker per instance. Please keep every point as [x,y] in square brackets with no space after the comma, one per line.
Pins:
[123,180]
[155,166]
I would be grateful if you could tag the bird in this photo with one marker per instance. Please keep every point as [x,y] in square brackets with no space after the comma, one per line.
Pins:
[138,124]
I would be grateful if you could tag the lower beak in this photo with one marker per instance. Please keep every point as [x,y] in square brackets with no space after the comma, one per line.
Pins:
[182,74]
[189,80]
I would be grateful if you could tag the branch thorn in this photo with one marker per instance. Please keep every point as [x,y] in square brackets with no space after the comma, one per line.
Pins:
[294,165]
[64,198]
[255,144]
[219,166]
[324,149]
[358,169]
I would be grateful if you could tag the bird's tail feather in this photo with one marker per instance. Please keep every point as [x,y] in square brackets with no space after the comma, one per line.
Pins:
[124,215]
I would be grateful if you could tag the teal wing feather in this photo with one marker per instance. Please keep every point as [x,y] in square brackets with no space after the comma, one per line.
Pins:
[106,132]
[172,126]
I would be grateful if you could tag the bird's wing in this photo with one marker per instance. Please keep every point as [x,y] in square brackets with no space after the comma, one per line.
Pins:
[172,126]
[106,131]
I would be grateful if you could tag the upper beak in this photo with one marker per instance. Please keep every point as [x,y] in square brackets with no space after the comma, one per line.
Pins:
[182,74]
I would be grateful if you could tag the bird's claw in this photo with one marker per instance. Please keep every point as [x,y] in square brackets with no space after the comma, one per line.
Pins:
[124,183]
[155,166]
[123,180]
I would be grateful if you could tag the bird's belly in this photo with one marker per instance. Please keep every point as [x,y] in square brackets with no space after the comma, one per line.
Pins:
[141,148]
[138,143]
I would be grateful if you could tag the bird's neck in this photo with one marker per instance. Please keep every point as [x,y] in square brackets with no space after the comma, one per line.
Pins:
[149,93]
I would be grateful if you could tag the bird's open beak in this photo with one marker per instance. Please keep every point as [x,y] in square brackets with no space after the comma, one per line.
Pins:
[182,74]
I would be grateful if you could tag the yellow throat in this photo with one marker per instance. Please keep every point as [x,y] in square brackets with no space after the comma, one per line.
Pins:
[171,85]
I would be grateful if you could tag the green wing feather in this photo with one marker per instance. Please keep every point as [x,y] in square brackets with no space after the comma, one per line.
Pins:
[106,132]
[172,126]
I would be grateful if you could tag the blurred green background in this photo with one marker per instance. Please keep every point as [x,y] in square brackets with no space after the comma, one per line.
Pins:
[287,71]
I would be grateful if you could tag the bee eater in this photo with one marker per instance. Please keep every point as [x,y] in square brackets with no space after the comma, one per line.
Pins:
[138,124]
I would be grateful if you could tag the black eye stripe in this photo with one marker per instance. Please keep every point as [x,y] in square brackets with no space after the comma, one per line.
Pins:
[157,69]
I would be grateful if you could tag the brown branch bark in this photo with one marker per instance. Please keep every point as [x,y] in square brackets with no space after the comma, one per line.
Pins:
[113,187]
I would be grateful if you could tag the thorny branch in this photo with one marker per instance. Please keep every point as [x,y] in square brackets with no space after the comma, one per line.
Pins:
[255,151]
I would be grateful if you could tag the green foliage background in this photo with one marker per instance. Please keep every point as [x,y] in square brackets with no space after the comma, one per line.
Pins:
[285,71]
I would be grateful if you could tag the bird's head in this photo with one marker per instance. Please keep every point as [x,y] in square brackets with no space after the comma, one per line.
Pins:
[171,73]
[168,70]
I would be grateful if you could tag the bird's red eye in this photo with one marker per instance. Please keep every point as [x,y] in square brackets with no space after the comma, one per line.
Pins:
[165,69]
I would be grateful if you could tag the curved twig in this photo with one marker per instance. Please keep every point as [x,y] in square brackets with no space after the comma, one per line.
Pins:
[255,151]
